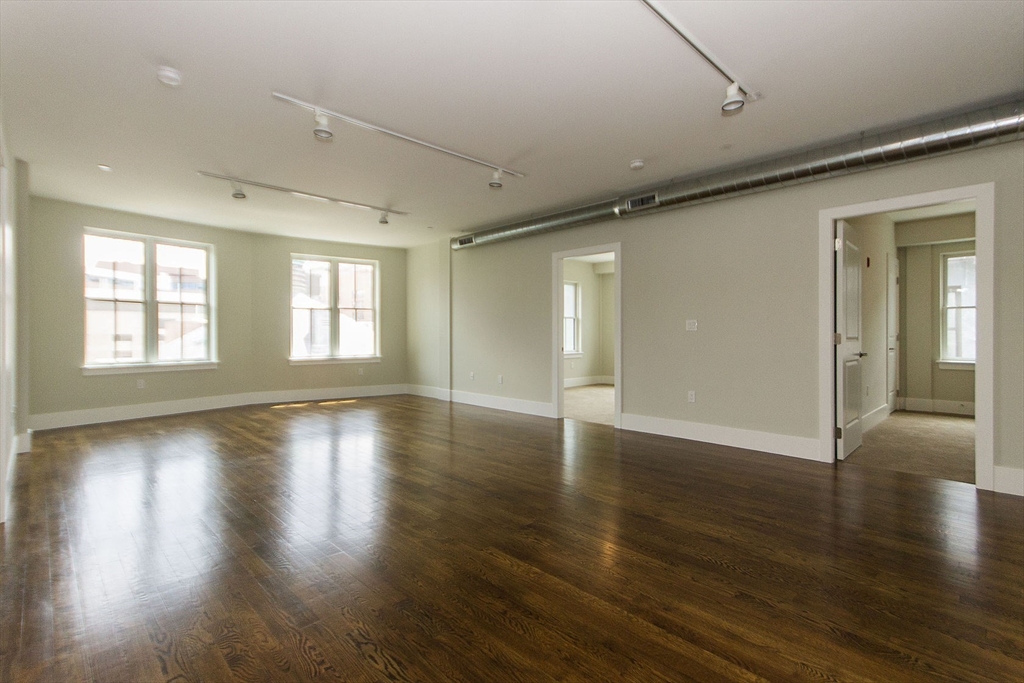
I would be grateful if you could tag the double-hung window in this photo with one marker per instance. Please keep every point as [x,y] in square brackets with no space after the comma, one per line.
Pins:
[147,301]
[571,319]
[335,308]
[959,313]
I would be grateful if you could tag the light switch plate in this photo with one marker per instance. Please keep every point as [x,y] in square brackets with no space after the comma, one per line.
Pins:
[691,325]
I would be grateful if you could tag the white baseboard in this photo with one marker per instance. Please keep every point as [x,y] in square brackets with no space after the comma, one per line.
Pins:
[1008,480]
[571,382]
[875,417]
[74,418]
[515,405]
[928,405]
[23,442]
[430,392]
[780,444]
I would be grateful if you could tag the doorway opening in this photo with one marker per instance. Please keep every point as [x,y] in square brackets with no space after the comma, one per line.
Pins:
[586,291]
[906,315]
[922,325]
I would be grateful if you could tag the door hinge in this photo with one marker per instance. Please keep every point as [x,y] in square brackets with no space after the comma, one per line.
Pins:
[837,338]
[839,432]
[839,244]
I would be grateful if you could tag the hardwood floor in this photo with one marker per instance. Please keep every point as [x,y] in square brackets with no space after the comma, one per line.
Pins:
[406,539]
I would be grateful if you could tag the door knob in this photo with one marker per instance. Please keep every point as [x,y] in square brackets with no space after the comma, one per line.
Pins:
[861,354]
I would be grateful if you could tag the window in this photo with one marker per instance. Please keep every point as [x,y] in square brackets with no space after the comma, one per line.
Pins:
[334,308]
[959,314]
[571,319]
[147,301]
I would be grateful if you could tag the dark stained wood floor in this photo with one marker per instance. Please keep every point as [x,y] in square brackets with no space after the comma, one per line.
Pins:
[406,539]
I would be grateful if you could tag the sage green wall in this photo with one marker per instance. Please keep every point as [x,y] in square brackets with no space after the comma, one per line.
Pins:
[253,280]
[589,364]
[921,316]
[427,345]
[747,270]
[606,367]
[875,236]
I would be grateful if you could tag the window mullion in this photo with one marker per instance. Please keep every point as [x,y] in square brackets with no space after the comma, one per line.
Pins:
[335,311]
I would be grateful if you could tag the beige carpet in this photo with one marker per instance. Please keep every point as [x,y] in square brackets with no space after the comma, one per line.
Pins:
[940,446]
[594,403]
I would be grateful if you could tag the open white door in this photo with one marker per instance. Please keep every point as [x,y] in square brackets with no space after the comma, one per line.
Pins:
[848,337]
[892,335]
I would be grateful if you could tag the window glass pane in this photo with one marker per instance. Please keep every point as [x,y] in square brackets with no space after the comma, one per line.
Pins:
[960,288]
[130,332]
[114,268]
[357,333]
[320,338]
[169,332]
[311,284]
[346,285]
[194,327]
[180,274]
[364,286]
[960,334]
[300,333]
[99,331]
[569,332]
[570,300]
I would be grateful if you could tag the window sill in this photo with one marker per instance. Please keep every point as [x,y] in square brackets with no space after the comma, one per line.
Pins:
[332,361]
[131,368]
[574,354]
[956,364]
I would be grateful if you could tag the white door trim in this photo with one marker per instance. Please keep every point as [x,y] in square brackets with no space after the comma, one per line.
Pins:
[984,221]
[557,303]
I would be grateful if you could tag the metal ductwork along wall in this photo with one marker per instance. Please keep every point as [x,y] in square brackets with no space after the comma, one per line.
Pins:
[993,125]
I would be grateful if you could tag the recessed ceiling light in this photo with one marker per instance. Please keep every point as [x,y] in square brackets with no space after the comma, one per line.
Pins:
[169,76]
[637,164]
[104,167]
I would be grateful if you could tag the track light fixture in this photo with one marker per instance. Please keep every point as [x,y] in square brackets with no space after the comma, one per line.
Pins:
[736,94]
[495,183]
[238,193]
[383,218]
[734,101]
[322,132]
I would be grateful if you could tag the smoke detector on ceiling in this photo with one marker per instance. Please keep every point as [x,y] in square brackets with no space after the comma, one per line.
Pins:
[636,164]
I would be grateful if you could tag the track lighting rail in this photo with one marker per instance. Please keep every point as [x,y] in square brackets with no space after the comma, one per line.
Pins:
[299,193]
[369,126]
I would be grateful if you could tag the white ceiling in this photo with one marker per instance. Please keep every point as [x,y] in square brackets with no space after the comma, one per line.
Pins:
[566,92]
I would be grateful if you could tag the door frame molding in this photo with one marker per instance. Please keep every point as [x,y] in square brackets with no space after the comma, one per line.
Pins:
[557,304]
[984,235]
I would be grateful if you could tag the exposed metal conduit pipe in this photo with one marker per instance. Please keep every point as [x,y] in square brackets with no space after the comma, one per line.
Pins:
[989,126]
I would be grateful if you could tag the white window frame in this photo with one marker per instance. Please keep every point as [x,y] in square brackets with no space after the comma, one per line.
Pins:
[151,308]
[577,351]
[945,361]
[335,356]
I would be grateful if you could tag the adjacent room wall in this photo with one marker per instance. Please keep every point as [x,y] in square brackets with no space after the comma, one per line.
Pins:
[252,317]
[875,236]
[606,367]
[746,270]
[927,387]
[585,368]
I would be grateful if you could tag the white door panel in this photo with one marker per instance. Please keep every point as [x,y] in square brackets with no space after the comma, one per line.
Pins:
[848,350]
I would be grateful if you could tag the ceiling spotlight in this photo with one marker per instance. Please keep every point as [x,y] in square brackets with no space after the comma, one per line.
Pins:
[383,218]
[322,132]
[495,183]
[637,164]
[169,76]
[236,191]
[734,101]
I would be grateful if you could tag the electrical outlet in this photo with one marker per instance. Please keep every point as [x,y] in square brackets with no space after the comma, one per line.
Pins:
[501,379]
[691,396]
[472,375]
[360,371]
[572,364]
[140,384]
